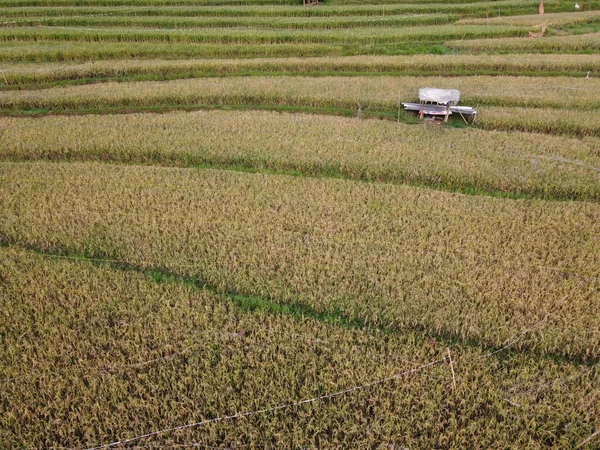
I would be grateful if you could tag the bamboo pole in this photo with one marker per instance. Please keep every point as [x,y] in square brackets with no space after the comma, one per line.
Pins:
[452,370]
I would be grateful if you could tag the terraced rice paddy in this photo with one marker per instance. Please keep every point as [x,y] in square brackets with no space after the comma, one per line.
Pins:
[20,75]
[219,229]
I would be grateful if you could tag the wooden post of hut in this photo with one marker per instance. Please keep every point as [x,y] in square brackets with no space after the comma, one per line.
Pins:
[448,106]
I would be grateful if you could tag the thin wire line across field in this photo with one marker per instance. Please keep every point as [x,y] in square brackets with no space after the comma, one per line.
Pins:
[274,408]
[512,341]
[335,394]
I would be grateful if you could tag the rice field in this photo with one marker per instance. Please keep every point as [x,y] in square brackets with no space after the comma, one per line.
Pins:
[220,229]
[507,103]
[245,36]
[585,43]
[552,167]
[383,91]
[230,8]
[234,346]
[22,74]
[91,51]
[284,255]
[537,20]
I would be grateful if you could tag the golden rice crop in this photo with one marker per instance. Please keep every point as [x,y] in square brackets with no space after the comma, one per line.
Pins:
[577,43]
[465,160]
[18,73]
[468,267]
[574,97]
[136,296]
[375,92]
[541,120]
[103,353]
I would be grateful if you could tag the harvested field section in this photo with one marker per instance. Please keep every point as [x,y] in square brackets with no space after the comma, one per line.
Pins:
[441,65]
[554,44]
[536,19]
[470,268]
[128,352]
[472,161]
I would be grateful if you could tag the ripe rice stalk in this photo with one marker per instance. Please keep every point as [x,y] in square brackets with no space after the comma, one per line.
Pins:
[515,164]
[65,51]
[327,92]
[465,267]
[422,64]
[540,120]
[87,3]
[161,335]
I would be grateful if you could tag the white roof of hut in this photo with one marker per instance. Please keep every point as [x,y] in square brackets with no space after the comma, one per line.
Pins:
[441,96]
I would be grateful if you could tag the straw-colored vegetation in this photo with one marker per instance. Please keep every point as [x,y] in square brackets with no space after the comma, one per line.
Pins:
[536,19]
[519,165]
[26,73]
[563,105]
[158,270]
[390,256]
[540,120]
[90,51]
[125,352]
[178,47]
[375,92]
[138,3]
[560,44]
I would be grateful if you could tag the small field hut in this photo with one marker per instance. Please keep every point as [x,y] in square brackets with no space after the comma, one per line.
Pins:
[439,103]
